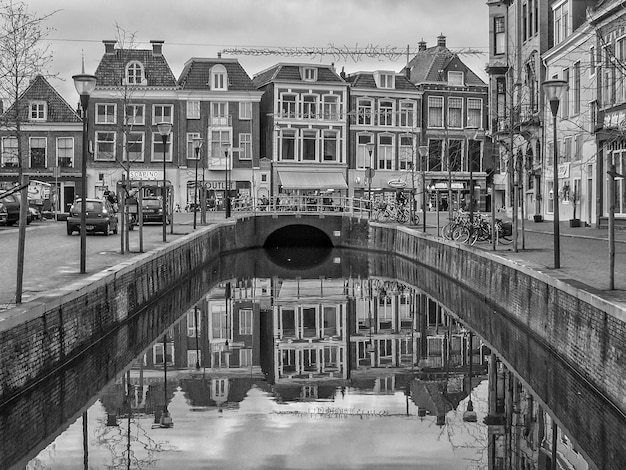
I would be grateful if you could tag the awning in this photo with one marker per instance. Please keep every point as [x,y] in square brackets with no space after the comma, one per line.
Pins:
[312,180]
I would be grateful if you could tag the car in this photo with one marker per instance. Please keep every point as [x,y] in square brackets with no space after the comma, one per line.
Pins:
[152,210]
[100,216]
[11,203]
[4,214]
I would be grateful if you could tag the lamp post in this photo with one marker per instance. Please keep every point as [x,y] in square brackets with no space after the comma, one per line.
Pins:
[423,151]
[85,84]
[195,323]
[226,184]
[611,196]
[553,90]
[369,172]
[197,144]
[164,129]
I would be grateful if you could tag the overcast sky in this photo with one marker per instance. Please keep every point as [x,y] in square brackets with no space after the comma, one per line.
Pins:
[202,28]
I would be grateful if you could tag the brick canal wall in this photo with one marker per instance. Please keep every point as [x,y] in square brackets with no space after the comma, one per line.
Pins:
[582,328]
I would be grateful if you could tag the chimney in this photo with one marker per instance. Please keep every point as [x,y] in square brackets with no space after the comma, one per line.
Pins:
[219,54]
[343,73]
[109,46]
[157,47]
[441,40]
[421,46]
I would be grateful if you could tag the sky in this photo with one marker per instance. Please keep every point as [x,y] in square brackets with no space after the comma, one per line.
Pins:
[202,28]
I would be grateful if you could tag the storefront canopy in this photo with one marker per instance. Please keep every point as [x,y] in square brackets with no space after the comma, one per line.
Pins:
[320,181]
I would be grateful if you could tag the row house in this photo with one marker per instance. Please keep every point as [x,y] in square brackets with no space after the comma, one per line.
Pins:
[452,126]
[303,117]
[45,134]
[385,110]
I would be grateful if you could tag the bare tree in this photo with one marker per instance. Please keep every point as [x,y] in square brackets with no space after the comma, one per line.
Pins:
[23,55]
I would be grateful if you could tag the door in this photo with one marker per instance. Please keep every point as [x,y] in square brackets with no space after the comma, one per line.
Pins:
[68,197]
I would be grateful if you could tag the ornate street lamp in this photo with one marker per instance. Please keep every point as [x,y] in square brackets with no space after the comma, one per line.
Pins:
[423,151]
[553,90]
[85,84]
[164,129]
[226,184]
[369,172]
[197,144]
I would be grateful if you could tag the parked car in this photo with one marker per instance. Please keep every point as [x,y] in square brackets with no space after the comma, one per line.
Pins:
[152,210]
[99,214]
[4,214]
[11,204]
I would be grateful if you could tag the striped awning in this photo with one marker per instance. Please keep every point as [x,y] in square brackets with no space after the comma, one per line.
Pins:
[312,180]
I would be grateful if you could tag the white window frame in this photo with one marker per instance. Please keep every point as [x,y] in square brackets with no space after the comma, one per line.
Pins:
[386,80]
[142,141]
[365,111]
[158,117]
[62,150]
[309,74]
[455,100]
[386,115]
[305,136]
[456,78]
[219,78]
[246,319]
[474,104]
[245,146]
[135,78]
[30,150]
[159,347]
[219,113]
[193,109]
[561,18]
[592,61]
[191,323]
[217,157]
[281,138]
[406,153]
[330,107]
[245,110]
[10,152]
[191,151]
[37,110]
[440,100]
[98,154]
[110,113]
[138,119]
[291,111]
[407,113]
[362,155]
[385,155]
[326,137]
[157,155]
[309,108]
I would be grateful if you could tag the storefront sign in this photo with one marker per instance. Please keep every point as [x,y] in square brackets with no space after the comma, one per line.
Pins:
[145,175]
[396,183]
[563,170]
[218,185]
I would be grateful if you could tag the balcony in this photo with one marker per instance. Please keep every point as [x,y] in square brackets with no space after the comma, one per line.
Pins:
[224,121]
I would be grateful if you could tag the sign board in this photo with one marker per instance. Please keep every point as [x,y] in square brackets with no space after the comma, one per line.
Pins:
[370,172]
[396,183]
[563,170]
[146,175]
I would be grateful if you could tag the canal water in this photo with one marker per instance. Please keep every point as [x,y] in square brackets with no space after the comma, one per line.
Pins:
[310,359]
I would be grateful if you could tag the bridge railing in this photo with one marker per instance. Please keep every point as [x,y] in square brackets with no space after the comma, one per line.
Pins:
[336,205]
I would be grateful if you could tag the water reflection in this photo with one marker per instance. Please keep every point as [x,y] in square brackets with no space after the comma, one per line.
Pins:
[353,371]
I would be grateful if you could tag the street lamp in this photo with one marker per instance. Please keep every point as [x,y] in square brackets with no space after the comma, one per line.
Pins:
[553,90]
[369,172]
[85,84]
[195,323]
[164,129]
[613,175]
[197,144]
[423,151]
[226,185]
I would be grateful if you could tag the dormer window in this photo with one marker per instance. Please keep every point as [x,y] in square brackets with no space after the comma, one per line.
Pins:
[309,74]
[219,78]
[385,80]
[456,79]
[135,74]
[37,111]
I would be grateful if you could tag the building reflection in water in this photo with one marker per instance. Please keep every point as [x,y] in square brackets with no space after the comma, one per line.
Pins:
[315,340]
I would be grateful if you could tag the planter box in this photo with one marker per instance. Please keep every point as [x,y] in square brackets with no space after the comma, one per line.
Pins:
[574,222]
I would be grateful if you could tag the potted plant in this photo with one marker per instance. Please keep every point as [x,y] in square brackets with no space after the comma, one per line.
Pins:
[574,222]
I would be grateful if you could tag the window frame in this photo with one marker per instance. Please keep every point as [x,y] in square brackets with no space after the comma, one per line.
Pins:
[309,74]
[192,109]
[475,104]
[142,153]
[337,149]
[245,146]
[37,110]
[245,111]
[44,140]
[449,114]
[157,141]
[99,142]
[190,151]
[440,99]
[455,81]
[219,78]
[136,122]
[62,150]
[109,116]
[365,111]
[163,107]
[136,66]
[11,154]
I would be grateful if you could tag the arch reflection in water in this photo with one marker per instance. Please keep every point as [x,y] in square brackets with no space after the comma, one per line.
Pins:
[285,379]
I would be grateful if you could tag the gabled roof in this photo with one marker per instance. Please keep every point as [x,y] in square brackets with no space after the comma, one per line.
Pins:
[326,74]
[196,74]
[431,64]
[366,80]
[112,68]
[58,110]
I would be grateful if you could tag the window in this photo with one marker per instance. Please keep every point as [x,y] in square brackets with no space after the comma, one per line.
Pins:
[38,111]
[37,152]
[455,79]
[157,353]
[220,142]
[191,151]
[245,110]
[309,106]
[158,148]
[567,150]
[245,322]
[455,112]
[9,152]
[455,154]
[193,109]
[386,80]
[364,112]
[219,79]
[576,89]
[288,103]
[561,22]
[475,113]
[384,153]
[385,113]
[135,114]
[193,357]
[619,72]
[406,159]
[133,151]
[134,74]
[219,114]
[162,113]
[105,146]
[192,328]
[435,154]
[499,39]
[105,113]
[578,147]
[362,155]
[331,146]
[435,111]
[309,145]
[245,146]
[592,61]
[309,74]
[407,113]
[330,107]
[525,23]
[288,145]
[65,152]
